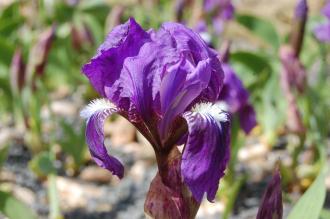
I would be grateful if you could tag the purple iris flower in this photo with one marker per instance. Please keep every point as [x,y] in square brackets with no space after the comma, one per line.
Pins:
[322,31]
[165,83]
[220,11]
[236,99]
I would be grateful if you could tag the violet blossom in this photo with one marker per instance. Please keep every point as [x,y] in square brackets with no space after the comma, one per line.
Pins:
[166,83]
[322,31]
[220,11]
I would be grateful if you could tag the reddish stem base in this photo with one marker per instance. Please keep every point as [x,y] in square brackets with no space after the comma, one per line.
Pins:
[168,196]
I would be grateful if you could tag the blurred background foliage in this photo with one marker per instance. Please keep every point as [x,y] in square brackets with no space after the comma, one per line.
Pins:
[44,43]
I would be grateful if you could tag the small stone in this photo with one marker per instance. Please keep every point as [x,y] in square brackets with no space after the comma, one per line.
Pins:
[210,210]
[121,131]
[7,176]
[138,170]
[253,152]
[75,194]
[24,194]
[64,108]
[139,151]
[95,174]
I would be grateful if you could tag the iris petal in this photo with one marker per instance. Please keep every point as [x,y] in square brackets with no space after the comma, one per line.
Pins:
[96,113]
[104,70]
[206,151]
[179,87]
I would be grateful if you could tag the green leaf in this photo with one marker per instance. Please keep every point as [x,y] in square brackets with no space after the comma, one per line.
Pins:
[7,96]
[42,164]
[55,212]
[257,64]
[7,50]
[10,11]
[73,143]
[13,208]
[262,28]
[95,27]
[309,206]
[9,26]
[3,154]
[325,214]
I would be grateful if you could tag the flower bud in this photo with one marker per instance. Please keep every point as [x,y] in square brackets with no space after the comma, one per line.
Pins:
[81,36]
[299,23]
[17,72]
[271,204]
[39,52]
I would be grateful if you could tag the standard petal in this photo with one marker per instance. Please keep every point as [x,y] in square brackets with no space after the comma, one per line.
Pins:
[104,70]
[96,113]
[179,88]
[142,77]
[207,151]
[192,45]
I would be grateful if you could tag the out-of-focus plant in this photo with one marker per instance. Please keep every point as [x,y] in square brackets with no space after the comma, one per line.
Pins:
[42,56]
[310,205]
[13,208]
[73,144]
[235,98]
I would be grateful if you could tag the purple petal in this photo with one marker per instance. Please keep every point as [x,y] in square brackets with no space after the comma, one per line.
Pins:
[206,151]
[233,91]
[96,113]
[212,5]
[322,32]
[185,78]
[179,87]
[104,70]
[247,118]
[228,11]
[301,9]
[236,97]
[139,74]
[271,204]
[192,45]
[326,10]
